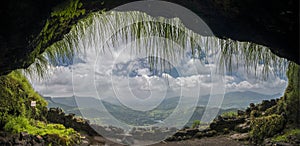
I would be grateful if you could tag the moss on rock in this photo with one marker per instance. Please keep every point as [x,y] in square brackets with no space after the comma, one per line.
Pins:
[290,102]
[267,126]
[55,134]
[16,96]
[60,22]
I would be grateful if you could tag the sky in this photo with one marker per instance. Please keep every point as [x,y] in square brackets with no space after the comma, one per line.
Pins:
[111,68]
[122,72]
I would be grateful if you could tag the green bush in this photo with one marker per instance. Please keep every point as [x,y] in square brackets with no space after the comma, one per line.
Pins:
[196,123]
[255,113]
[56,133]
[267,126]
[17,124]
[16,95]
[230,114]
[285,137]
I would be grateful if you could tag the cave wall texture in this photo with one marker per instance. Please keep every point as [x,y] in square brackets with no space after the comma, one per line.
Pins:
[273,23]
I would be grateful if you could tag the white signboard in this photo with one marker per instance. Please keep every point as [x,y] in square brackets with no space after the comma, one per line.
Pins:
[33,103]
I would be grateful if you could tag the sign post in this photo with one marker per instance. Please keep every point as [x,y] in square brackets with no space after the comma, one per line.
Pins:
[33,103]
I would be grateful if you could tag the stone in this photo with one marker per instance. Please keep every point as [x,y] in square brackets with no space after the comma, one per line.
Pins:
[252,105]
[240,112]
[180,133]
[191,132]
[282,144]
[264,105]
[208,133]
[199,135]
[242,128]
[171,138]
[240,137]
[39,139]
[273,102]
[2,140]
[220,125]
[128,140]
[99,139]
[24,136]
[19,142]
[248,111]
[3,134]
[211,133]
[84,143]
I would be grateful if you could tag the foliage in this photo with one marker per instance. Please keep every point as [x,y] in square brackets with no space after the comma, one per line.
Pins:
[17,124]
[230,114]
[286,111]
[98,30]
[196,124]
[272,110]
[290,102]
[16,95]
[285,137]
[56,132]
[255,113]
[266,126]
[60,22]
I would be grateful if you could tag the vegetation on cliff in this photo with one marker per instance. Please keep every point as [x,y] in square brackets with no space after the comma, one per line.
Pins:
[16,96]
[17,114]
[60,22]
[58,134]
[16,93]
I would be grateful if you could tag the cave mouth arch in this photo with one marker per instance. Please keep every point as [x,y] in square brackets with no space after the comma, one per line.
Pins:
[77,39]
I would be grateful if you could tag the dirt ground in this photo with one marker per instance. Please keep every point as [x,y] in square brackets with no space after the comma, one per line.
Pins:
[222,140]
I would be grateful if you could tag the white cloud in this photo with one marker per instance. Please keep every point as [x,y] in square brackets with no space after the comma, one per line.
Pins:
[96,74]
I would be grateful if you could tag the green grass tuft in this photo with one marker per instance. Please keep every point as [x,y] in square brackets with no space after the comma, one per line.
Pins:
[267,126]
[196,124]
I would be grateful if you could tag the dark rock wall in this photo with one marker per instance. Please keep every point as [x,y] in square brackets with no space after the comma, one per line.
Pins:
[56,115]
[21,22]
[273,23]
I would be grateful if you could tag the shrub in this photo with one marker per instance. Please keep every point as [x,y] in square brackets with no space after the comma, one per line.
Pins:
[290,102]
[267,126]
[54,132]
[230,114]
[16,95]
[196,123]
[255,113]
[17,124]
[285,137]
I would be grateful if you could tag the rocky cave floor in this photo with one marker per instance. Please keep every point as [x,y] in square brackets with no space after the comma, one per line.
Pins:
[233,131]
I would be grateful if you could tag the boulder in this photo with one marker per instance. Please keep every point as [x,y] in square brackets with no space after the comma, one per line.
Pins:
[242,128]
[240,137]
[220,124]
[240,112]
[39,139]
[99,139]
[192,132]
[180,133]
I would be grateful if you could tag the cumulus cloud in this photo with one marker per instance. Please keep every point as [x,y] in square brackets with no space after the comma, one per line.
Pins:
[118,72]
[90,78]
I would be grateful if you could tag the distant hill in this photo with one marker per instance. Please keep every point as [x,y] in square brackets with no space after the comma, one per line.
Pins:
[89,105]
[239,100]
